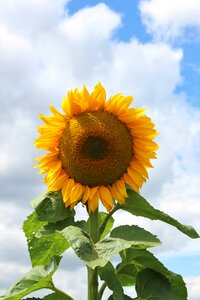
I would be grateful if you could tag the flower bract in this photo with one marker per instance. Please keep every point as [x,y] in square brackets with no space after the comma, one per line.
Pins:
[95,147]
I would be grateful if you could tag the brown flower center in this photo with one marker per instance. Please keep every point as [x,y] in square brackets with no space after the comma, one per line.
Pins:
[95,148]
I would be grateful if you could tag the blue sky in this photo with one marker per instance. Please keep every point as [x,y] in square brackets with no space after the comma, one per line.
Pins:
[145,48]
[132,26]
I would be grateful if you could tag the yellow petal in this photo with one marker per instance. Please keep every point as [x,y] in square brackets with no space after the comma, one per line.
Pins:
[146,143]
[117,195]
[113,104]
[131,114]
[75,106]
[139,168]
[143,131]
[47,160]
[125,103]
[98,96]
[144,160]
[66,107]
[66,191]
[86,194]
[93,202]
[52,120]
[58,183]
[143,153]
[93,191]
[135,176]
[54,170]
[143,147]
[57,113]
[106,197]
[130,182]
[76,192]
[120,186]
[122,104]
[86,103]
[43,170]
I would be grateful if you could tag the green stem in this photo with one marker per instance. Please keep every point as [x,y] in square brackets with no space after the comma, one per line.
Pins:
[102,289]
[101,230]
[61,292]
[93,274]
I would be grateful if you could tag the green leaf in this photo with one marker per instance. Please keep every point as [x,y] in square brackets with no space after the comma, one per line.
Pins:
[109,247]
[107,273]
[51,228]
[126,273]
[122,237]
[125,298]
[151,285]
[58,295]
[81,243]
[50,207]
[38,278]
[100,253]
[139,237]
[109,224]
[142,259]
[137,205]
[43,248]
[32,298]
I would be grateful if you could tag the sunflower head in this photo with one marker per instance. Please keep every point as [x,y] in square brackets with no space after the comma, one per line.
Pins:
[95,147]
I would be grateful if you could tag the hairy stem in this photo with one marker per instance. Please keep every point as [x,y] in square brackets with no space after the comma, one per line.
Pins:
[101,229]
[102,289]
[93,274]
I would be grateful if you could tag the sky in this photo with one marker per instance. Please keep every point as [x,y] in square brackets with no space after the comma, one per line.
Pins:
[145,48]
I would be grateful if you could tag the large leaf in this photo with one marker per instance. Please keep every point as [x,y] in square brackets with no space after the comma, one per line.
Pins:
[100,253]
[58,295]
[107,273]
[125,298]
[137,205]
[142,259]
[126,273]
[50,207]
[32,298]
[140,237]
[37,278]
[151,285]
[42,249]
[109,224]
[81,243]
[51,228]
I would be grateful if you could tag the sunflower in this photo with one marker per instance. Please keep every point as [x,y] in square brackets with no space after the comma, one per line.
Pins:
[95,148]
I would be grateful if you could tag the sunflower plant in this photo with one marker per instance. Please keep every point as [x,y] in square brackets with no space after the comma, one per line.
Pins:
[97,155]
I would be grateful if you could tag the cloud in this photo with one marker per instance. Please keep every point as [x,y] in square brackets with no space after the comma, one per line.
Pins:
[40,16]
[43,55]
[12,272]
[193,286]
[167,21]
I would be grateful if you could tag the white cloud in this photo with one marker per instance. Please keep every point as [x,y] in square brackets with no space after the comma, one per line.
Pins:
[167,19]
[96,22]
[39,16]
[12,272]
[193,286]
[70,283]
[144,70]
[43,55]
